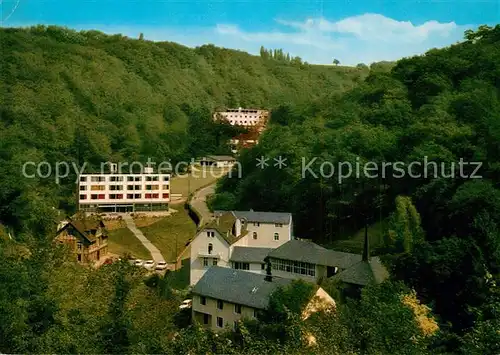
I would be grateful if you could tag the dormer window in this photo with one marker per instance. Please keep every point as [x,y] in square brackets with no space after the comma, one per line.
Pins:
[256,224]
[278,224]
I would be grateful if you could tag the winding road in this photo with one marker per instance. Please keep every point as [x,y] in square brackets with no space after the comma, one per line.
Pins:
[199,202]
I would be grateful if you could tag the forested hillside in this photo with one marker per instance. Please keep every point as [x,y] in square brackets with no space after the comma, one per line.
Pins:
[443,234]
[89,97]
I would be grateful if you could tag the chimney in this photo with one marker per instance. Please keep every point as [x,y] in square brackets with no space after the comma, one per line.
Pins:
[269,276]
[366,246]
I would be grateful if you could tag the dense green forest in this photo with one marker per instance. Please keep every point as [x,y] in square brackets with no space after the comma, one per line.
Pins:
[443,232]
[89,97]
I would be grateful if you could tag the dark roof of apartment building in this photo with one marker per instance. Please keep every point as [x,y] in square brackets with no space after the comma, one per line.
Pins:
[249,254]
[309,252]
[239,287]
[260,217]
[364,273]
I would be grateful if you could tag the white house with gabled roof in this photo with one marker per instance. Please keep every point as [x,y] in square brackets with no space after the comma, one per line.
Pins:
[239,240]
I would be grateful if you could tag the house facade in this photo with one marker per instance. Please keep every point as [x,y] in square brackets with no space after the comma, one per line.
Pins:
[224,296]
[220,242]
[86,237]
[123,192]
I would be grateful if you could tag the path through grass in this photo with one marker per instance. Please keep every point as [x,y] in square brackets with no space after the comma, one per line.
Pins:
[170,234]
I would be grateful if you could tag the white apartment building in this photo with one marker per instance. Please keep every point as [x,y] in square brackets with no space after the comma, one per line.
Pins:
[238,240]
[244,117]
[123,192]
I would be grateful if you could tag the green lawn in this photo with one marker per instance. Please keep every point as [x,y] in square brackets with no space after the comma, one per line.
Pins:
[198,179]
[170,231]
[122,241]
[354,244]
[179,279]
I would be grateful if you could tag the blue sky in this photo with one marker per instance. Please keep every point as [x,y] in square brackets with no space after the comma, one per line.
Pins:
[318,31]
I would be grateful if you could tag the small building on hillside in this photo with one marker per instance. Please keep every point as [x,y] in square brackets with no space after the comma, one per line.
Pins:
[224,296]
[219,161]
[245,117]
[369,270]
[253,120]
[86,237]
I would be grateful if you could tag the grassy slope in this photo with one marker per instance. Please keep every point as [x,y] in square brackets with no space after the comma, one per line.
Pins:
[169,231]
[122,241]
[197,180]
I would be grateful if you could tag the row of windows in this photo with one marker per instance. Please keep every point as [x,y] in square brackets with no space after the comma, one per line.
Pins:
[120,196]
[122,178]
[241,266]
[122,187]
[220,305]
[220,321]
[211,234]
[257,224]
[206,261]
[241,110]
[295,267]
[245,266]
[243,123]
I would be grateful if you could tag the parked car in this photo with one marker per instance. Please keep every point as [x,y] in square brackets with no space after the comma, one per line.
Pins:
[161,265]
[149,264]
[138,262]
[186,304]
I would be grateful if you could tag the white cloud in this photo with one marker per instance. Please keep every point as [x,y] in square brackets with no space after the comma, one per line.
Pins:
[359,39]
[304,38]
[364,38]
[376,27]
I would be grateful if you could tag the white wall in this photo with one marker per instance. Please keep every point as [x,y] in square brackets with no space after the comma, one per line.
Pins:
[265,235]
[199,247]
[228,313]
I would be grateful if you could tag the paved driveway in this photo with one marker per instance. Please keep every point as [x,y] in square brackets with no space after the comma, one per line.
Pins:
[199,202]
